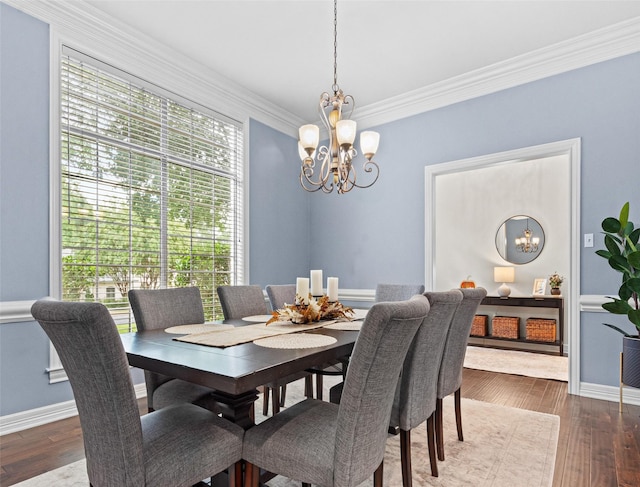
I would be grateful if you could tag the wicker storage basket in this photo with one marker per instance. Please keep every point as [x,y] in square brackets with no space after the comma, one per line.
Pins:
[541,330]
[505,327]
[479,326]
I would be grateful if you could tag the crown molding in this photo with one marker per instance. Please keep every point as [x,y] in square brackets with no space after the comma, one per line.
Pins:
[91,29]
[600,45]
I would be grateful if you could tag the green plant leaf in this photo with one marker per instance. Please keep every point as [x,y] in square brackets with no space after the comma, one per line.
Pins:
[617,307]
[635,236]
[634,285]
[611,225]
[627,229]
[620,330]
[620,264]
[625,292]
[604,253]
[634,259]
[624,215]
[612,245]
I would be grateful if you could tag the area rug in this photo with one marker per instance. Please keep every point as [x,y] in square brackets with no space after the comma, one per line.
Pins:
[519,363]
[503,447]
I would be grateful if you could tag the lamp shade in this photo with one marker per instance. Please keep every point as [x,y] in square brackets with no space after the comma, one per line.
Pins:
[369,142]
[504,274]
[303,154]
[346,132]
[309,136]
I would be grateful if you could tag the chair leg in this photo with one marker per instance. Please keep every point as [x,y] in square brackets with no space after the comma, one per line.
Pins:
[432,446]
[283,395]
[405,457]
[378,475]
[235,475]
[308,386]
[265,401]
[319,385]
[275,400]
[439,432]
[458,414]
[251,475]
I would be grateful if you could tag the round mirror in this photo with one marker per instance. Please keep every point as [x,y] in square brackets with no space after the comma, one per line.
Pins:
[520,239]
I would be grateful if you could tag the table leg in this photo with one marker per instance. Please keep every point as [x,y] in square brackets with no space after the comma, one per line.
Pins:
[237,409]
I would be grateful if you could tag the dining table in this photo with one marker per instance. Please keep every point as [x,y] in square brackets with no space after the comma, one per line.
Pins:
[234,373]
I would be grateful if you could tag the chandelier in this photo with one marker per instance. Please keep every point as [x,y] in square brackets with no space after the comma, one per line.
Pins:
[334,167]
[527,243]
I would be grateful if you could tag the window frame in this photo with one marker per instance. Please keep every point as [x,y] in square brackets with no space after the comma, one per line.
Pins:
[55,369]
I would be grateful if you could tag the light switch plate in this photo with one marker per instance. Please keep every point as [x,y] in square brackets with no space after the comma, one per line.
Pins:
[588,239]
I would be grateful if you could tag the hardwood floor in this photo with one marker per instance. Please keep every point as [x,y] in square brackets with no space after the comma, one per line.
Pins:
[597,446]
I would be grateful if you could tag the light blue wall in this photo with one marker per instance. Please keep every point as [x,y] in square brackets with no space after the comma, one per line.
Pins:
[365,237]
[278,210]
[24,208]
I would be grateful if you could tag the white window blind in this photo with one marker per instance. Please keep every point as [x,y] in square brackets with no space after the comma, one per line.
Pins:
[151,190]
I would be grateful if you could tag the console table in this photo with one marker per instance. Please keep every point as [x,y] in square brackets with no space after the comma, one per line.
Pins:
[526,303]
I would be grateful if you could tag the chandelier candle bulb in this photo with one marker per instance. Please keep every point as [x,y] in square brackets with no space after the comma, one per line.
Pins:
[369,142]
[309,137]
[332,288]
[316,283]
[302,290]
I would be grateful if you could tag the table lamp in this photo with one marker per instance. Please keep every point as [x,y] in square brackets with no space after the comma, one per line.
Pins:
[504,275]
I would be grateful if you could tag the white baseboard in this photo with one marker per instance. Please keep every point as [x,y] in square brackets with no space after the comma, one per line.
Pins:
[11,423]
[630,395]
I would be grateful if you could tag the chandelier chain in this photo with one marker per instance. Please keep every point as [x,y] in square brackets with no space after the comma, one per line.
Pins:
[335,46]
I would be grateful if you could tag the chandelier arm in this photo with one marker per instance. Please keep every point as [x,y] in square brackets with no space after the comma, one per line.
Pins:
[368,167]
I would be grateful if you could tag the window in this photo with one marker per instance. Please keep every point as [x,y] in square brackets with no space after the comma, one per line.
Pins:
[151,190]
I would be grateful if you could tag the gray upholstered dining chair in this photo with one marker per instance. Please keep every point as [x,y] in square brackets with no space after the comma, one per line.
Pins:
[281,294]
[397,292]
[239,302]
[416,394]
[326,444]
[155,309]
[450,376]
[175,446]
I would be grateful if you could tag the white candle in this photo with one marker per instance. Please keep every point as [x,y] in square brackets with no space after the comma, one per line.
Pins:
[316,283]
[332,288]
[302,290]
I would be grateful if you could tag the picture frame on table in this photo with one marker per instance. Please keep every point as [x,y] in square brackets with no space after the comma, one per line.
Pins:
[539,286]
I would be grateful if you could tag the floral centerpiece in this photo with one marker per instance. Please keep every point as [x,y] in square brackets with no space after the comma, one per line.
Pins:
[316,310]
[555,280]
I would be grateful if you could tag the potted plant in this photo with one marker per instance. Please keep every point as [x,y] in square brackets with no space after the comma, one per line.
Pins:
[621,240]
[555,281]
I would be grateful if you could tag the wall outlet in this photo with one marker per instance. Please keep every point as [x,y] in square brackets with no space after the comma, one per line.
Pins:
[588,239]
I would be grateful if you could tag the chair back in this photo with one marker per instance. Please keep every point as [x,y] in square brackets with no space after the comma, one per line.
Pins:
[455,348]
[281,294]
[91,352]
[416,395]
[155,309]
[240,301]
[372,377]
[397,292]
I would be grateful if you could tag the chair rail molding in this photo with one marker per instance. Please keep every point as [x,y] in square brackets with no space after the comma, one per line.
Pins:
[16,311]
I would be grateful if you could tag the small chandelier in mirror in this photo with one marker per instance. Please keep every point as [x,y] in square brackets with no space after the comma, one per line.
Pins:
[335,159]
[527,243]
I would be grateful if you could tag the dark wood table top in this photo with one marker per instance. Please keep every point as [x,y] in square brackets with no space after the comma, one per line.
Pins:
[233,370]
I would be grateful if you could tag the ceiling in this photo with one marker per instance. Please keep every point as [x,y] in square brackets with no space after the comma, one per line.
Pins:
[283,50]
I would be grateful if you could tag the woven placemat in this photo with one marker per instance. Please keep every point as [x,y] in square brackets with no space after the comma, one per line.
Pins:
[201,328]
[346,326]
[296,340]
